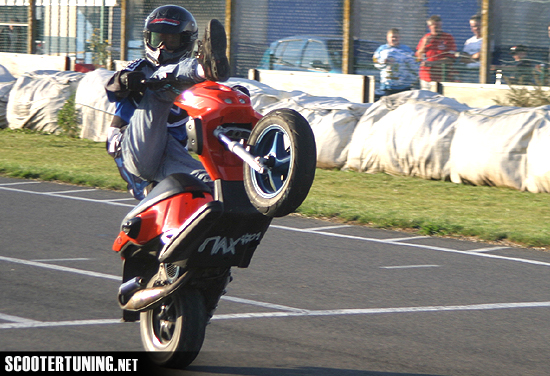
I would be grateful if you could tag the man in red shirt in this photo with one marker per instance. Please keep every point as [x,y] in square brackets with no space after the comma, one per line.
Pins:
[436,51]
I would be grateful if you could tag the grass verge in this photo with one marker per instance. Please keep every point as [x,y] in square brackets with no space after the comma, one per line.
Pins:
[378,200]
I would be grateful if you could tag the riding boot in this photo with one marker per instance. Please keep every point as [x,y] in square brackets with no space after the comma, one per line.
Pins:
[212,52]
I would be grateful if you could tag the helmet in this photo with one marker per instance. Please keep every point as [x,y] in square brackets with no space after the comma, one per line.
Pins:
[171,26]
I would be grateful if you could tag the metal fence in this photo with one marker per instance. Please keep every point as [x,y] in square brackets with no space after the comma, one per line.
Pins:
[342,35]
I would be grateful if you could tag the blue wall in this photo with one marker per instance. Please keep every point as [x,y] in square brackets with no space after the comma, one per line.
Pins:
[324,17]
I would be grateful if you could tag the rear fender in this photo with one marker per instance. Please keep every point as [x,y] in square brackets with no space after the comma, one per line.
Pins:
[164,216]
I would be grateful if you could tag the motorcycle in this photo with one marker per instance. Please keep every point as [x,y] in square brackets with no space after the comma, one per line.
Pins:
[178,245]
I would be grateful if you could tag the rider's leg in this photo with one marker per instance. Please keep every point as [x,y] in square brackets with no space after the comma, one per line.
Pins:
[148,150]
[145,139]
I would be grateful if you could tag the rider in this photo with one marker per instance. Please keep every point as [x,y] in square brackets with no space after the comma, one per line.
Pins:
[147,136]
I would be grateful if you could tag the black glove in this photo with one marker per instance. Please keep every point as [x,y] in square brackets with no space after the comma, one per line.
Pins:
[133,81]
[167,81]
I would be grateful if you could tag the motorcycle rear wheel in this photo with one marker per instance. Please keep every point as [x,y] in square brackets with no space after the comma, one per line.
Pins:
[284,139]
[173,332]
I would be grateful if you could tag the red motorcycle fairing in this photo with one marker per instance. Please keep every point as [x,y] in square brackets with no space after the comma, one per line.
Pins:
[212,105]
[166,215]
[225,236]
[165,209]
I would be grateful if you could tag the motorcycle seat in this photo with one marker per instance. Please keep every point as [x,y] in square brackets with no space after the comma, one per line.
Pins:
[170,186]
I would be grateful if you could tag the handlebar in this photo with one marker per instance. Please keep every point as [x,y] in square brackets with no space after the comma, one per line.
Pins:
[169,82]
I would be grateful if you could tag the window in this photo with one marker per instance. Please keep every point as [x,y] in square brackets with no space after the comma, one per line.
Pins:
[278,53]
[316,56]
[290,53]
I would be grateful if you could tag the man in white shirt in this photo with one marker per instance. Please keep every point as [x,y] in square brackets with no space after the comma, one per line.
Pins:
[472,51]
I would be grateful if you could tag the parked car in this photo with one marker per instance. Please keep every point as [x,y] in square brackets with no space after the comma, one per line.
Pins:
[318,54]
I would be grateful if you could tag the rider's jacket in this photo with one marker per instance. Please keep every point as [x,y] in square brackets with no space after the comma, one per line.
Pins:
[126,103]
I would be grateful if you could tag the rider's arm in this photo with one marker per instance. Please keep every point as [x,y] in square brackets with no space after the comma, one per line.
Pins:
[124,82]
[128,80]
[187,72]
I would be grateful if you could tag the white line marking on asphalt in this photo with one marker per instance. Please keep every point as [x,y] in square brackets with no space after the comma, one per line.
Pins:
[18,319]
[310,313]
[65,197]
[327,227]
[409,266]
[60,268]
[367,311]
[21,182]
[45,324]
[72,191]
[490,249]
[63,259]
[262,304]
[409,238]
[119,199]
[423,246]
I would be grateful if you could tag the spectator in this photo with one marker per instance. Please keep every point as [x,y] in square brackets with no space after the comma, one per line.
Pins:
[436,51]
[543,69]
[471,52]
[397,65]
[8,37]
[521,70]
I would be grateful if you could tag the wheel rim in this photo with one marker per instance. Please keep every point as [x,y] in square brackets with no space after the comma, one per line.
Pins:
[164,323]
[273,145]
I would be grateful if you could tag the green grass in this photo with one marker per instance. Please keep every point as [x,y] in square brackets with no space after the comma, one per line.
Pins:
[30,155]
[431,207]
[379,200]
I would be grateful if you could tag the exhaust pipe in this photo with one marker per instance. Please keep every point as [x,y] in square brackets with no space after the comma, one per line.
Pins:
[128,288]
[144,299]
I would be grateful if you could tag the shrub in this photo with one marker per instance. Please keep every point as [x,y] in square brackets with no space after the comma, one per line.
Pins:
[67,118]
[522,97]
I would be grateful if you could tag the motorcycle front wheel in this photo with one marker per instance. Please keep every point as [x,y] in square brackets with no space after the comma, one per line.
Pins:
[285,142]
[173,331]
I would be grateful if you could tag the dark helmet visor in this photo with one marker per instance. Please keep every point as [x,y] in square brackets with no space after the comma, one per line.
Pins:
[169,41]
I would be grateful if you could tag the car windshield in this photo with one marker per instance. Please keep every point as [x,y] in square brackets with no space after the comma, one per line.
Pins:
[335,51]
[316,56]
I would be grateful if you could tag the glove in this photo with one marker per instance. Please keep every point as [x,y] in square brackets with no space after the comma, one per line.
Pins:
[114,138]
[133,81]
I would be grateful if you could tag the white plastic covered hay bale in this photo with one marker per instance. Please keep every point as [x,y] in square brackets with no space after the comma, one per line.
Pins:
[95,110]
[490,146]
[407,133]
[36,98]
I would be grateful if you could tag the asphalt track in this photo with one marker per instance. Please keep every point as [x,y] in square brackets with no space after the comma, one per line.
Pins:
[318,299]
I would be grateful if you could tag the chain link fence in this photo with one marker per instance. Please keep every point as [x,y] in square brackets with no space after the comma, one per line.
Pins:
[13,28]
[320,36]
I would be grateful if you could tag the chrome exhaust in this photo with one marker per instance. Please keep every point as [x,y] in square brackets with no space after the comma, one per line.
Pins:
[128,288]
[144,299]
